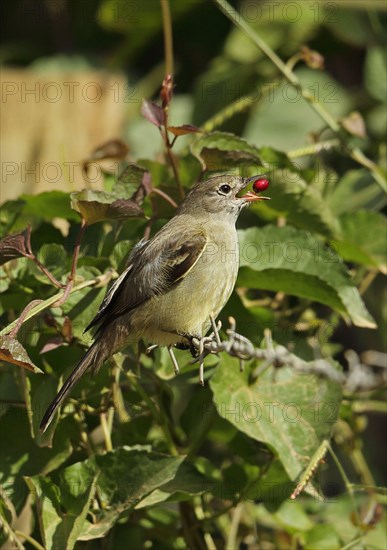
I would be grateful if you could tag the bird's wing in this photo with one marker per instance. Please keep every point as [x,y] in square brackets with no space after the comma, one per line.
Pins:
[153,267]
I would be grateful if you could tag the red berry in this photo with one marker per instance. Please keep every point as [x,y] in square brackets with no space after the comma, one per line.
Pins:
[260,185]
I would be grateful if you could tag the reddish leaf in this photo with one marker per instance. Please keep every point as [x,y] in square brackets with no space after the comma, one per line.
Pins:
[184,129]
[53,344]
[13,352]
[152,112]
[15,246]
[144,189]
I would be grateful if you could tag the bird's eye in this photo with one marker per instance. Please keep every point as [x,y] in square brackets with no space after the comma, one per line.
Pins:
[225,189]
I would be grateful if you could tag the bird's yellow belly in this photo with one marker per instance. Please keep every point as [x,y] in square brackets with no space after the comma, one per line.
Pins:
[203,292]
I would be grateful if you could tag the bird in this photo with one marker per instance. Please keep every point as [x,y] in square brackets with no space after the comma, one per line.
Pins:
[175,283]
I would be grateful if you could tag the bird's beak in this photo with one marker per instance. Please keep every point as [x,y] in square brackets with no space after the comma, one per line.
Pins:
[251,196]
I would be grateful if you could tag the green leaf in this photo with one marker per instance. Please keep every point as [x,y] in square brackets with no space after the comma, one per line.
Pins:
[7,517]
[96,206]
[356,191]
[292,415]
[129,182]
[20,456]
[364,239]
[292,261]
[216,149]
[187,482]
[125,476]
[284,120]
[62,510]
[375,74]
[48,205]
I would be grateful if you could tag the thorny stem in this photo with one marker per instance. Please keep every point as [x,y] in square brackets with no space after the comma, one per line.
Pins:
[355,153]
[313,149]
[23,316]
[44,269]
[238,106]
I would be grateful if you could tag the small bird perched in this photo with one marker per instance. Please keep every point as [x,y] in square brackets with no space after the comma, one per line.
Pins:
[175,282]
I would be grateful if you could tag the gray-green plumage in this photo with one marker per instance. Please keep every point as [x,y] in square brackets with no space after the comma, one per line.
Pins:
[174,282]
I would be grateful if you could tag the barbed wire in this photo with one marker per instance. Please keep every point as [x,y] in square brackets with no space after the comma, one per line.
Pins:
[358,377]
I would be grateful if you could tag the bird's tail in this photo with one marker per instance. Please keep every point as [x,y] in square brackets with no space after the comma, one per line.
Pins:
[94,358]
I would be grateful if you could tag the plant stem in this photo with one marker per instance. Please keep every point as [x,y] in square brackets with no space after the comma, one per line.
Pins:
[355,153]
[29,539]
[347,483]
[239,105]
[235,521]
[23,316]
[171,158]
[168,37]
[165,196]
[101,280]
[44,269]
[313,149]
[106,432]
[71,277]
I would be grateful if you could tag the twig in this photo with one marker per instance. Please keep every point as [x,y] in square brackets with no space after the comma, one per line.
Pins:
[235,521]
[71,277]
[44,269]
[165,196]
[23,316]
[168,37]
[101,280]
[313,149]
[170,156]
[29,539]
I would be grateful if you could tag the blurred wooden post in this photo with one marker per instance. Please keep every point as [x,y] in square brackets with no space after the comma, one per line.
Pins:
[51,121]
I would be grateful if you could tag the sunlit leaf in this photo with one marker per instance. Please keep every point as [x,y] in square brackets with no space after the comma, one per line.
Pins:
[96,206]
[289,260]
[13,352]
[152,112]
[292,414]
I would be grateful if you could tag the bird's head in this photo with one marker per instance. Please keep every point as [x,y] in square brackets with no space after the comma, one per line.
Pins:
[223,195]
